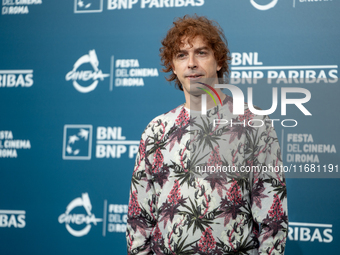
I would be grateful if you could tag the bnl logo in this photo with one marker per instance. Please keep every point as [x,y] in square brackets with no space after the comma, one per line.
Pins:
[77,142]
[88,6]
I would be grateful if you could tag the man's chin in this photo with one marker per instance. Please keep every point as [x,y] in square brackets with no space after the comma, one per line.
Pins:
[196,92]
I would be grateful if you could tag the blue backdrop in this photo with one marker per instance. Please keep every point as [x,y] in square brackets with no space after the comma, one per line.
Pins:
[81,79]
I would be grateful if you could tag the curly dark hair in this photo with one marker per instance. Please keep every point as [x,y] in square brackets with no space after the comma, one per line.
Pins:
[189,27]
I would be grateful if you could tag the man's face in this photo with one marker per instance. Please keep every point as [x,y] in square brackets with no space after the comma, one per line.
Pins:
[195,63]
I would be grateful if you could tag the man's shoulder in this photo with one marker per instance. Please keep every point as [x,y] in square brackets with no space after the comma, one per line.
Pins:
[168,116]
[164,120]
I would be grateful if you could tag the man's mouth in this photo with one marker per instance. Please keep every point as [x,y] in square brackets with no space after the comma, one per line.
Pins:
[194,76]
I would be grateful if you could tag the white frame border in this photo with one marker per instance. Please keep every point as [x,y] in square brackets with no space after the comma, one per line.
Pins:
[90,143]
[90,11]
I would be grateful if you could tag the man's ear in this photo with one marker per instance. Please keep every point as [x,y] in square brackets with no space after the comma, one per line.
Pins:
[173,68]
[218,68]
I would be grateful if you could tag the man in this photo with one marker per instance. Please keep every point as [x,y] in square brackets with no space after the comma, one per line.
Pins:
[176,205]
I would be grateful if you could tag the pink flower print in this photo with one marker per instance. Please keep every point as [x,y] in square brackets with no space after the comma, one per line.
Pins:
[234,194]
[215,159]
[134,208]
[276,211]
[183,118]
[157,235]
[207,242]
[142,149]
[175,194]
[157,160]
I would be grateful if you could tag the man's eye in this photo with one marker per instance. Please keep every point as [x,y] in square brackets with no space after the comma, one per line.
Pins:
[202,53]
[180,55]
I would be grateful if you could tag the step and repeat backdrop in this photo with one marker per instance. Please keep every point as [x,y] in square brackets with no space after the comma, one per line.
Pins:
[81,79]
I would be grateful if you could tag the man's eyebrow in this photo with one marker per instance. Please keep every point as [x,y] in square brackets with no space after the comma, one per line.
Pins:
[202,48]
[198,49]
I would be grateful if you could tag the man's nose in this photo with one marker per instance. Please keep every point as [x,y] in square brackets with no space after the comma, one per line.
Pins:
[192,61]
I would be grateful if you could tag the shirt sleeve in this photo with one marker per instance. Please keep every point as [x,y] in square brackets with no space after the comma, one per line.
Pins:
[142,204]
[269,195]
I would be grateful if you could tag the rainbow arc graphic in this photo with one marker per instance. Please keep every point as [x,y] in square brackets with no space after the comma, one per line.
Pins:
[204,97]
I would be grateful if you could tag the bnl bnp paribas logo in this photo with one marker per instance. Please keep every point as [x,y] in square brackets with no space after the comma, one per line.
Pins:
[110,143]
[95,6]
[77,142]
[88,6]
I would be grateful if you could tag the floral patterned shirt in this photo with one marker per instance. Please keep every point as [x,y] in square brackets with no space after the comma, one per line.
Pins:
[202,186]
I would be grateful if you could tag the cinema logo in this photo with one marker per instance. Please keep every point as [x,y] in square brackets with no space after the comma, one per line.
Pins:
[16,78]
[128,73]
[264,7]
[310,232]
[86,80]
[12,218]
[246,68]
[79,219]
[72,219]
[17,6]
[268,4]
